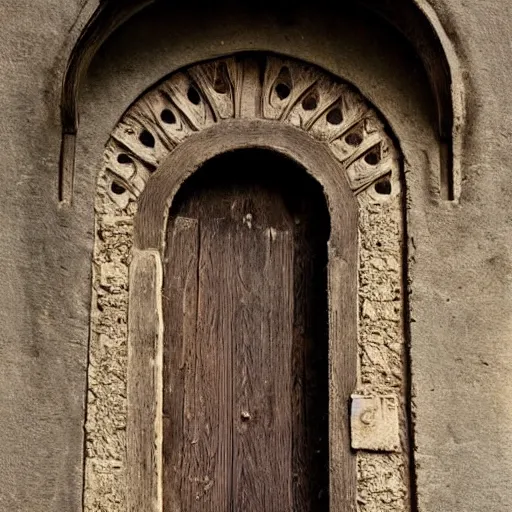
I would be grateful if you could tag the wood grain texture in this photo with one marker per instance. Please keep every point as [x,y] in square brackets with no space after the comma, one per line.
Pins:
[198,351]
[262,296]
[342,379]
[143,430]
[180,312]
[341,267]
[263,330]
[214,375]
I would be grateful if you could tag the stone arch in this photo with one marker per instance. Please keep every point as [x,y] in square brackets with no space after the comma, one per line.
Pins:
[416,20]
[330,110]
[323,123]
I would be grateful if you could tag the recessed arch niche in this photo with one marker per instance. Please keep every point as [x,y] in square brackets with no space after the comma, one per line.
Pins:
[264,101]
[416,20]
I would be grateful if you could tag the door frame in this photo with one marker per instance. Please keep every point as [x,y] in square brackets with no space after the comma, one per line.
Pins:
[145,320]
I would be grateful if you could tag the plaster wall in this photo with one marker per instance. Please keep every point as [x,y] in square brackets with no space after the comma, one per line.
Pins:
[460,255]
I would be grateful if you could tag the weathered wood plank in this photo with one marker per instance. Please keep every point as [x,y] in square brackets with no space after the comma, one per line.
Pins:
[211,423]
[227,314]
[198,416]
[143,431]
[180,313]
[342,378]
[263,330]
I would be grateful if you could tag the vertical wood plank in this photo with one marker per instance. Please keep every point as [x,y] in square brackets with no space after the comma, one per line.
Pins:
[143,430]
[180,313]
[263,330]
[198,372]
[342,374]
[212,420]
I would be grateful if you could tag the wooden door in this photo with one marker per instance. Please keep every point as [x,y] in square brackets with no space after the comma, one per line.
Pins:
[245,400]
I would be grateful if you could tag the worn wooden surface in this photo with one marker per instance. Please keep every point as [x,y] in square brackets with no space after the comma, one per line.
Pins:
[180,313]
[339,480]
[342,378]
[157,197]
[262,328]
[248,430]
[143,435]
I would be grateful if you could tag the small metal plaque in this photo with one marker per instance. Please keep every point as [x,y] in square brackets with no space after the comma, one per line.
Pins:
[374,423]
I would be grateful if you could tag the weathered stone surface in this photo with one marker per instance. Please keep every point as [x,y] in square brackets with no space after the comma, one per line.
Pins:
[127,167]
[383,478]
[374,423]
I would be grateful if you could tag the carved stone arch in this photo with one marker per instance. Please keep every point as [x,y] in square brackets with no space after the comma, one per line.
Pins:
[250,100]
[330,110]
[417,20]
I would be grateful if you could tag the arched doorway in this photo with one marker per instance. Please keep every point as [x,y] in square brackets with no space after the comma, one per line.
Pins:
[245,354]
[255,103]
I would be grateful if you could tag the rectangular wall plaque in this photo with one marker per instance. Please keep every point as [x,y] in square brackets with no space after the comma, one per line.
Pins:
[374,423]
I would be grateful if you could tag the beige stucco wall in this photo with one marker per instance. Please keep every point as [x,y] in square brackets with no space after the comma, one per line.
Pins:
[459,273]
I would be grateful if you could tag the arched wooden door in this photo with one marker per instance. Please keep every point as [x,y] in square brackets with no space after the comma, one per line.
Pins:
[245,380]
[157,375]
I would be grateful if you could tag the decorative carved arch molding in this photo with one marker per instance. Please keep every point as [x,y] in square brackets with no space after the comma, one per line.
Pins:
[416,20]
[326,126]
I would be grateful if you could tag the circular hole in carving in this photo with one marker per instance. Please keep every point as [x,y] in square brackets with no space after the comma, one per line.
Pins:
[193,95]
[117,189]
[335,116]
[383,187]
[167,116]
[310,102]
[123,158]
[220,86]
[353,139]
[373,157]
[282,91]
[147,139]
[283,83]
[221,82]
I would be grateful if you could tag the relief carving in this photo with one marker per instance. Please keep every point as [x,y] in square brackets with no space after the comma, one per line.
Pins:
[298,94]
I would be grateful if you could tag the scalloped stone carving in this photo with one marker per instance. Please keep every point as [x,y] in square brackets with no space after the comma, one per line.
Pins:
[271,88]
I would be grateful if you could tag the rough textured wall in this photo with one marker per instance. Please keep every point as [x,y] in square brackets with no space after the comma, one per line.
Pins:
[460,255]
[383,478]
[461,288]
[44,253]
[106,405]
